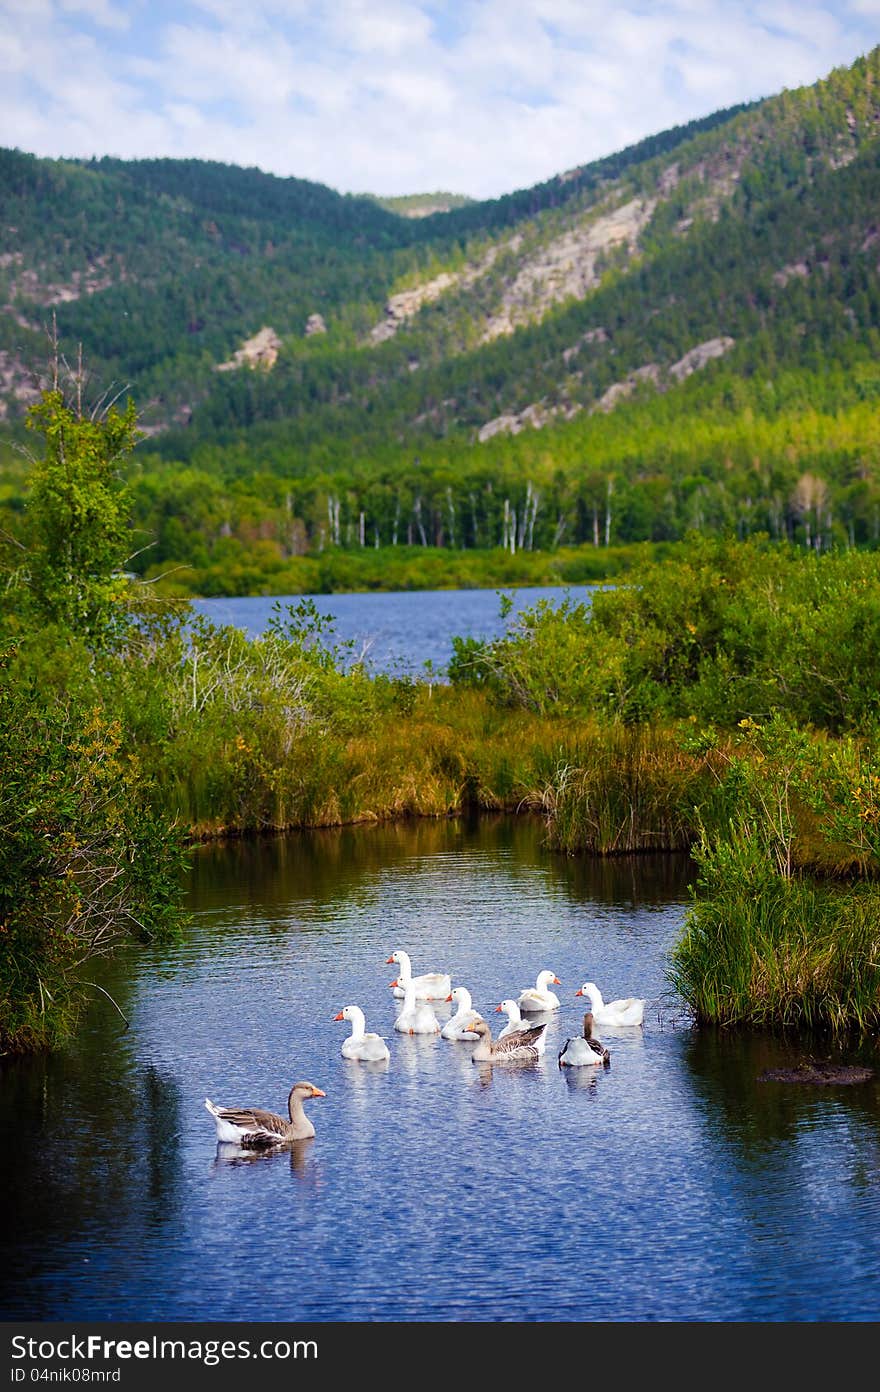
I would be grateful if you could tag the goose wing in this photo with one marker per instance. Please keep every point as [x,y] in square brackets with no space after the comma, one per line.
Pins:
[629,1010]
[255,1122]
[518,1041]
[602,1054]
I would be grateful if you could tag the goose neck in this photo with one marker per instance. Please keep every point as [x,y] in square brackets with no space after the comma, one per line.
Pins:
[465,1003]
[483,1051]
[591,990]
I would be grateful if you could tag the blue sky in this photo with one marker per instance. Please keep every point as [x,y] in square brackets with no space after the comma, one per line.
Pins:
[399,96]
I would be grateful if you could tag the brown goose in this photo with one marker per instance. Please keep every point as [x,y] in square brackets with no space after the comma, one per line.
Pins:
[525,1044]
[252,1127]
[584,1050]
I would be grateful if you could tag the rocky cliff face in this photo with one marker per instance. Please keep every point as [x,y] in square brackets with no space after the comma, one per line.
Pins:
[567,266]
[259,351]
[545,272]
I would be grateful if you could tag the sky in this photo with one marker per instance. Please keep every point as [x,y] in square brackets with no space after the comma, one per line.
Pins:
[399,96]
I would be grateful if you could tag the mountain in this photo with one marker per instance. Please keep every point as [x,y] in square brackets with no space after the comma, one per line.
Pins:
[163,269]
[681,335]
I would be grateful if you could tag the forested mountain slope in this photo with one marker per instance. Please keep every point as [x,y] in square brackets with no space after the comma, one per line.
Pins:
[681,335]
[162,269]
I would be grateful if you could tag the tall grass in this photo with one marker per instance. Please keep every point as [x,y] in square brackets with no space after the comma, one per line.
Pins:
[415,753]
[633,788]
[760,948]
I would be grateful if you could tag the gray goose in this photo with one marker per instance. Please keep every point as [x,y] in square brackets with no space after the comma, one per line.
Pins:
[523,1045]
[252,1127]
[584,1050]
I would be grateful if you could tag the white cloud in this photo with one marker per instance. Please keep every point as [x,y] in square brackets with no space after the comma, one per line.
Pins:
[480,96]
[387,30]
[100,12]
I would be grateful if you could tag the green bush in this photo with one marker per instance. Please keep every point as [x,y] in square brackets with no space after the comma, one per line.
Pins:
[85,862]
[730,631]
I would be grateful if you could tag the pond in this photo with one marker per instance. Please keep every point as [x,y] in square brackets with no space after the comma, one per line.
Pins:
[398,632]
[675,1185]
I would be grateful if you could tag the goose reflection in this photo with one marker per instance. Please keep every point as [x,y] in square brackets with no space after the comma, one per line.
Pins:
[582,1080]
[414,1050]
[358,1072]
[361,1080]
[230,1155]
[516,1073]
[480,1073]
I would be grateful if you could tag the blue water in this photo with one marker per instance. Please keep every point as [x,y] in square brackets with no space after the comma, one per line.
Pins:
[674,1186]
[398,632]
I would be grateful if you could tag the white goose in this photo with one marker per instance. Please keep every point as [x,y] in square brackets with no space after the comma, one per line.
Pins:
[458,1026]
[578,1051]
[416,1017]
[629,1010]
[515,1020]
[428,986]
[368,1047]
[251,1127]
[538,997]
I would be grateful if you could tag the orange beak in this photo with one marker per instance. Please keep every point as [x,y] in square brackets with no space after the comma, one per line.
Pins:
[579,993]
[340,1016]
[497,1008]
[388,961]
[449,997]
[317,1092]
[556,981]
[395,982]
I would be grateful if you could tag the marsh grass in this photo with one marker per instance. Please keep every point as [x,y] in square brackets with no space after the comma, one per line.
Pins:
[763,949]
[432,754]
[634,788]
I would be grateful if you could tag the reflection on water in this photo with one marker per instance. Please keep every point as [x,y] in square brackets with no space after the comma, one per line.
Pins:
[295,1152]
[690,1188]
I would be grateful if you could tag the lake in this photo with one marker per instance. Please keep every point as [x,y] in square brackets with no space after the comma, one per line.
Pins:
[675,1185]
[397,633]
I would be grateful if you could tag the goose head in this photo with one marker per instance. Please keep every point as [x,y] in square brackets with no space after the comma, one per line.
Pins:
[407,985]
[301,1092]
[352,1013]
[462,997]
[547,978]
[400,959]
[591,990]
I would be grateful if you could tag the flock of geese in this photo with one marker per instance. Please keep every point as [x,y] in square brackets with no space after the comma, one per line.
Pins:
[518,1041]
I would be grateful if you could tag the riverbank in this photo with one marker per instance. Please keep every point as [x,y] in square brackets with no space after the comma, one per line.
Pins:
[263,571]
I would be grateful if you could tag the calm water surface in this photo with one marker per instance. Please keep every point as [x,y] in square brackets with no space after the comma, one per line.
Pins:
[400,631]
[673,1186]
